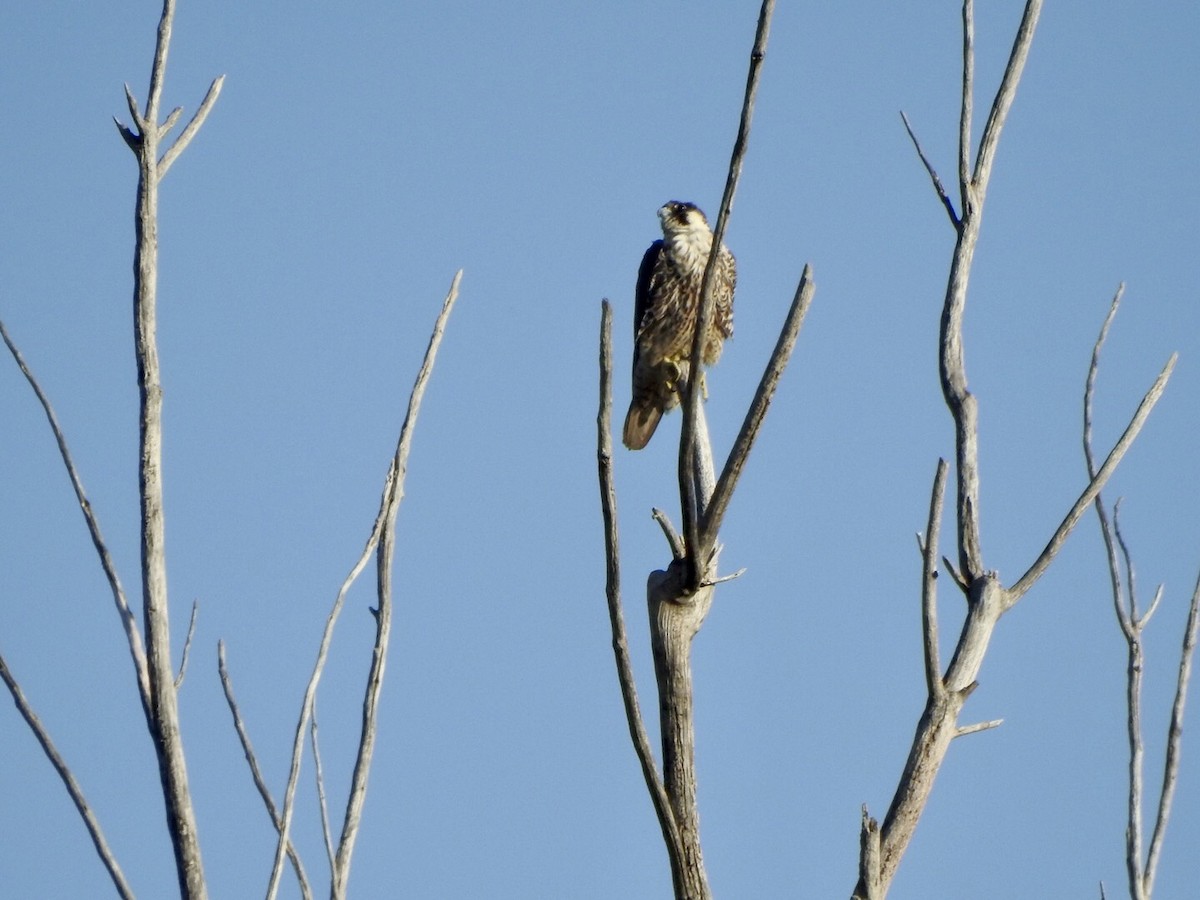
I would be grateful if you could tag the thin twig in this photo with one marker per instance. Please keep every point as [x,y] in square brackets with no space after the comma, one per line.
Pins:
[965,110]
[389,496]
[964,730]
[192,127]
[952,368]
[311,689]
[158,69]
[255,772]
[1174,740]
[620,643]
[674,541]
[1106,529]
[933,175]
[128,621]
[385,555]
[723,492]
[68,779]
[929,622]
[1145,619]
[1003,101]
[1130,574]
[955,576]
[163,719]
[724,578]
[1026,581]
[134,112]
[326,830]
[187,645]
[692,511]
[986,597]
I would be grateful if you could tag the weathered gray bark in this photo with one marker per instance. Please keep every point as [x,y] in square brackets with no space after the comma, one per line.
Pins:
[680,596]
[163,716]
[381,543]
[1141,872]
[986,598]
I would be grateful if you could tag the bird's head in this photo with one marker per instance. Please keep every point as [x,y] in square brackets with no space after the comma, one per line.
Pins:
[685,232]
[677,217]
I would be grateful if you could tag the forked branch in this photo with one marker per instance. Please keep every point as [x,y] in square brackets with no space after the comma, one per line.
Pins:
[987,598]
[679,597]
[393,492]
[692,512]
[714,511]
[616,617]
[1140,873]
[163,711]
[260,783]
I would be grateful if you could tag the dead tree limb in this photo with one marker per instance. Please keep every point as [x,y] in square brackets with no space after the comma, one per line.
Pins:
[380,542]
[987,598]
[107,857]
[156,677]
[260,783]
[133,634]
[616,616]
[680,596]
[692,511]
[144,138]
[1141,872]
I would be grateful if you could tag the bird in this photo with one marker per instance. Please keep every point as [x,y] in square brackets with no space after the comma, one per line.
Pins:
[666,306]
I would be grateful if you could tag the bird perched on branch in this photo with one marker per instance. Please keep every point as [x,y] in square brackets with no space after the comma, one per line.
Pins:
[666,305]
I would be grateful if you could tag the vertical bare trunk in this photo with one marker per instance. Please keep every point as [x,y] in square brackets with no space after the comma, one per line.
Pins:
[168,743]
[674,623]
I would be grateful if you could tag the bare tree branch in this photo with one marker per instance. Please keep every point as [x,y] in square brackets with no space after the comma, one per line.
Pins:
[1106,531]
[968,98]
[955,576]
[987,599]
[192,127]
[692,512]
[128,621]
[135,114]
[714,512]
[187,646]
[1174,739]
[68,779]
[929,624]
[326,829]
[1130,573]
[870,887]
[383,617]
[933,175]
[255,772]
[1145,619]
[393,492]
[1125,604]
[1004,96]
[958,398]
[964,730]
[311,689]
[1026,581]
[679,597]
[616,617]
[164,713]
[673,539]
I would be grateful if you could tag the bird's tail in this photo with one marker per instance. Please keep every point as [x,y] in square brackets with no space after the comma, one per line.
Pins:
[640,422]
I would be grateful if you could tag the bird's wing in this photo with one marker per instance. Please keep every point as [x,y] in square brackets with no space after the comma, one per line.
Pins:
[641,294]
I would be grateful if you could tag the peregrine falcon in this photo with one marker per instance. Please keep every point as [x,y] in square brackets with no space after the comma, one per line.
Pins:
[666,304]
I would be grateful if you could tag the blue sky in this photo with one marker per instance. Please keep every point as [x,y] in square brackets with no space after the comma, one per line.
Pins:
[357,157]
